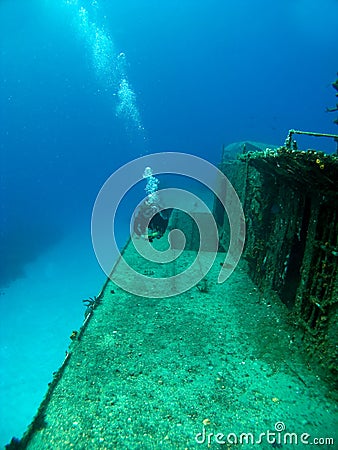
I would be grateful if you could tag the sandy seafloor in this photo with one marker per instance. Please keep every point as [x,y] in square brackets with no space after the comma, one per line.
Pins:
[38,313]
[153,373]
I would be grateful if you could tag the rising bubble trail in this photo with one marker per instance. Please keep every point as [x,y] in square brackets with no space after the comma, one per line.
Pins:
[108,63]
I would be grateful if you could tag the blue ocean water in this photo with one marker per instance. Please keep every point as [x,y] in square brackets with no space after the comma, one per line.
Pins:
[86,86]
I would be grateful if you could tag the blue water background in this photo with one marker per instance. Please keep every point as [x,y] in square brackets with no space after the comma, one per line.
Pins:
[203,74]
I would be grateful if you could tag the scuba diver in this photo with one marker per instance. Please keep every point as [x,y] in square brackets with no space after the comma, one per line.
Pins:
[150,221]
[159,223]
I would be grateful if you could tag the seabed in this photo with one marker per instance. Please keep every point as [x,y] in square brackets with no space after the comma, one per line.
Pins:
[152,373]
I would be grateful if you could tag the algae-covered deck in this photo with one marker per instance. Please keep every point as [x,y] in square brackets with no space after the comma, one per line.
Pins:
[311,169]
[191,371]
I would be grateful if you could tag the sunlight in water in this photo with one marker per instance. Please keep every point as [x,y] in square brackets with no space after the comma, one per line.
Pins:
[108,63]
